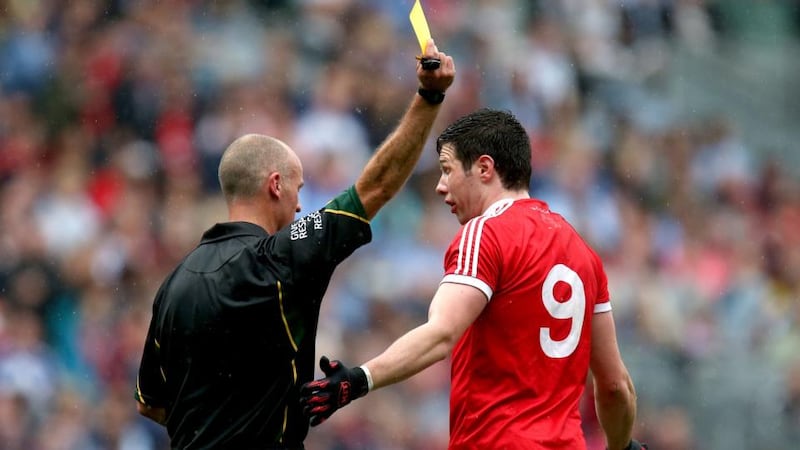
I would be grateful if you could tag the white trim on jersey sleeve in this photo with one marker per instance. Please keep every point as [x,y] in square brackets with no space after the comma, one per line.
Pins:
[602,307]
[469,281]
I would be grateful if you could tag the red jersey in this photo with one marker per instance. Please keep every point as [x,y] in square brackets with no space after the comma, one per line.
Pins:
[519,370]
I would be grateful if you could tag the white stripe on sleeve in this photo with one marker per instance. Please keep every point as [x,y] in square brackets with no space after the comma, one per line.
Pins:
[469,281]
[602,307]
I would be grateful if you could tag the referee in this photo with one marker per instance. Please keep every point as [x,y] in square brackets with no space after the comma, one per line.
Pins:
[233,328]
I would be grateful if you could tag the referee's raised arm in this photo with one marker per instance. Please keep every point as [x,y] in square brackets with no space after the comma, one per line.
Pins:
[393,162]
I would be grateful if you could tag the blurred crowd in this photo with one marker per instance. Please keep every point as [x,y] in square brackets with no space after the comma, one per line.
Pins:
[114,114]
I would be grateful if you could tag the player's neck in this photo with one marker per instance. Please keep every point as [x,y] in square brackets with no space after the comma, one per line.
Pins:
[506,194]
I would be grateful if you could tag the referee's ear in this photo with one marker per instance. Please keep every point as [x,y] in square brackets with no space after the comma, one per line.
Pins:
[273,184]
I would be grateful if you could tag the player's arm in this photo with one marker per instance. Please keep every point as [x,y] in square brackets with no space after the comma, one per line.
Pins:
[395,158]
[454,308]
[615,396]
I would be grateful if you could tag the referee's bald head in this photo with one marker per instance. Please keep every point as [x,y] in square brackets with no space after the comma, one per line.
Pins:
[248,161]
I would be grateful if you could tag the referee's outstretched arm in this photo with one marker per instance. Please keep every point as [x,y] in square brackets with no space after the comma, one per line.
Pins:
[393,162]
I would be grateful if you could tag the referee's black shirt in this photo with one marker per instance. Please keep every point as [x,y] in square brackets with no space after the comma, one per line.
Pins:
[233,329]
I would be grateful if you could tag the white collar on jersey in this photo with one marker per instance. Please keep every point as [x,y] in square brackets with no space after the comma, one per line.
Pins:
[498,207]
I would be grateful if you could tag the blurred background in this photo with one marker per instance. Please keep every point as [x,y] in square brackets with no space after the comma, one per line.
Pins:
[664,130]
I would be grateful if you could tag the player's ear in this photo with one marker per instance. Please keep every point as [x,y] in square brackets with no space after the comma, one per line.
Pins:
[485,166]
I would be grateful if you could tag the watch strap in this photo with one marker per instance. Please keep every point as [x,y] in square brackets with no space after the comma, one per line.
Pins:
[430,96]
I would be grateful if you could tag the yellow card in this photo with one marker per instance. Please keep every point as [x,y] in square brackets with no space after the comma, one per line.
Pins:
[420,25]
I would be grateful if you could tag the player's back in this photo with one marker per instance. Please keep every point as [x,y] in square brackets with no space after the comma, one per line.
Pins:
[520,369]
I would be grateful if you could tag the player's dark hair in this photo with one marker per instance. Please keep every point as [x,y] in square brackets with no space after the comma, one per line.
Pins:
[494,133]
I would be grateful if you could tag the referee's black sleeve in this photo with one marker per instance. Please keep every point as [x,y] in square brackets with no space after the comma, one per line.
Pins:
[319,241]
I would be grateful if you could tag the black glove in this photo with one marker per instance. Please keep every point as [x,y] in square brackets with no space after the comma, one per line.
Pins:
[321,398]
[635,445]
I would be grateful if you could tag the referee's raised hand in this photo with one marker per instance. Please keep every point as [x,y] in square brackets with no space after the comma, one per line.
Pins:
[341,385]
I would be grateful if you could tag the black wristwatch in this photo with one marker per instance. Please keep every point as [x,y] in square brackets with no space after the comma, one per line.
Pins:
[432,97]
